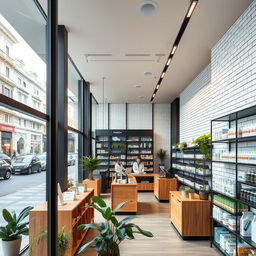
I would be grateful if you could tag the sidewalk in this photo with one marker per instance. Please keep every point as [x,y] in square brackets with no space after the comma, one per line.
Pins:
[19,200]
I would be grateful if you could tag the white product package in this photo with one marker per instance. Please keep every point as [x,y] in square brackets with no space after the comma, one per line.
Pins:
[246,224]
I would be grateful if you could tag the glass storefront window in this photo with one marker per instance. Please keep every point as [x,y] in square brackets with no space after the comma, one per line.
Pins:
[22,136]
[73,157]
[74,98]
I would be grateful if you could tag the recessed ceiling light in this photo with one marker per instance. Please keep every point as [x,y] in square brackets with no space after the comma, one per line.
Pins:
[141,96]
[147,73]
[137,86]
[148,8]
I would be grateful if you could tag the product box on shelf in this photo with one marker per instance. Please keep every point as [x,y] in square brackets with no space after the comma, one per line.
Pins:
[246,224]
[243,249]
[217,232]
[254,229]
[225,238]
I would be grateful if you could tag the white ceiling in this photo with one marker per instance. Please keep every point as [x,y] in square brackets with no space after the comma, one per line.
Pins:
[116,27]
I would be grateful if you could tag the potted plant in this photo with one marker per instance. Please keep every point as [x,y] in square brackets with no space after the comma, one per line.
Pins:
[90,164]
[191,193]
[70,183]
[204,143]
[62,241]
[182,146]
[203,193]
[184,190]
[161,155]
[111,232]
[11,233]
[175,146]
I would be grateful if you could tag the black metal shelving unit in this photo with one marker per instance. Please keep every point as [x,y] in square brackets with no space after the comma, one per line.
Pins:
[234,121]
[193,176]
[132,143]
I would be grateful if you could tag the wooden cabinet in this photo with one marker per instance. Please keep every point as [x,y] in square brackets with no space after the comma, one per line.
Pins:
[163,186]
[70,216]
[191,217]
[95,184]
[145,182]
[125,192]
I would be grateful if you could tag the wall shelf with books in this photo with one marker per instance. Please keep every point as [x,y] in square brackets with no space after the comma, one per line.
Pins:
[126,145]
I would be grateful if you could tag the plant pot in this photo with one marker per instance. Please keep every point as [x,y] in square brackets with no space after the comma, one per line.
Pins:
[191,195]
[203,194]
[90,175]
[11,248]
[184,193]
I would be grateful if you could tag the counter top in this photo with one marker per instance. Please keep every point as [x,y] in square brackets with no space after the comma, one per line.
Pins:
[177,194]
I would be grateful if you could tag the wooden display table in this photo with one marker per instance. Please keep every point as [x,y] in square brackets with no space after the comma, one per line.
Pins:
[191,217]
[95,184]
[70,216]
[125,192]
[163,186]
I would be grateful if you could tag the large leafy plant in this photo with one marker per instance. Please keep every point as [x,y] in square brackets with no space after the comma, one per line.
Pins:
[90,164]
[204,143]
[161,155]
[16,226]
[111,232]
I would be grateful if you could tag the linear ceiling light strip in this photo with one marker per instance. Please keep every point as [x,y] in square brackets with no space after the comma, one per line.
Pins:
[175,45]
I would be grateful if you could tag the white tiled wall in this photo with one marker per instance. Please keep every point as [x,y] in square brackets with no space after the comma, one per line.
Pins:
[228,84]
[195,107]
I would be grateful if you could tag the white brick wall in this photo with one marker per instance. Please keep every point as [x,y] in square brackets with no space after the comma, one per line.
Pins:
[232,82]
[195,107]
[233,63]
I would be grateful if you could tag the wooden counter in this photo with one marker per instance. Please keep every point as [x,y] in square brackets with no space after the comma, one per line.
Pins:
[125,192]
[163,186]
[191,217]
[70,216]
[145,182]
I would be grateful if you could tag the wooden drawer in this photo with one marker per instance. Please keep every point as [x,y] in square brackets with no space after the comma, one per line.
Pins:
[176,213]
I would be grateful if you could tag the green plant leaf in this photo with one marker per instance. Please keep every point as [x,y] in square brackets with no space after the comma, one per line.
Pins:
[99,201]
[108,213]
[85,226]
[100,245]
[126,219]
[121,232]
[113,219]
[88,245]
[143,232]
[129,232]
[119,206]
[24,213]
[7,216]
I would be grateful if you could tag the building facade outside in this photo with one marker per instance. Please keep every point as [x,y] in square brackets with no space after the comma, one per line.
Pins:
[19,133]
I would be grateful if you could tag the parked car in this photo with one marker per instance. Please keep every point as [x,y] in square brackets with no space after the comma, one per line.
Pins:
[26,164]
[5,158]
[42,158]
[71,160]
[5,170]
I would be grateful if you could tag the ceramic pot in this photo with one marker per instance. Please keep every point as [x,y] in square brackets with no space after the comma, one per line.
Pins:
[11,248]
[184,193]
[191,195]
[203,194]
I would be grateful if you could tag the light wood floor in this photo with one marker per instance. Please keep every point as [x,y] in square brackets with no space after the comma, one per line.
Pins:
[153,216]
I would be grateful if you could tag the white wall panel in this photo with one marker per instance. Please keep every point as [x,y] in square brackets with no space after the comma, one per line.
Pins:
[139,116]
[117,116]
[162,130]
[102,116]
